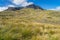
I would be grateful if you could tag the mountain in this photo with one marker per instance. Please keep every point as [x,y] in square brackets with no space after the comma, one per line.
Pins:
[29,6]
[34,7]
[14,8]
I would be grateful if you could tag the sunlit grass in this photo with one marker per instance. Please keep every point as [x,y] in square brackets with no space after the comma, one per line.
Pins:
[29,24]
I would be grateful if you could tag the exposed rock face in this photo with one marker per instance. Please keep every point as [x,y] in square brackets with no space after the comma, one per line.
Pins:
[29,6]
[34,6]
[14,8]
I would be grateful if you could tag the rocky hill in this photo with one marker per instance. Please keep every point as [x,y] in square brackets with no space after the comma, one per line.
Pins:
[29,6]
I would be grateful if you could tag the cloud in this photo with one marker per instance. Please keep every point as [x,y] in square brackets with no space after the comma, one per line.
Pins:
[3,8]
[22,2]
[11,6]
[26,4]
[55,9]
[15,3]
[18,2]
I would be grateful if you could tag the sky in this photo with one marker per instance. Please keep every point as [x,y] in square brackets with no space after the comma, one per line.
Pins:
[46,4]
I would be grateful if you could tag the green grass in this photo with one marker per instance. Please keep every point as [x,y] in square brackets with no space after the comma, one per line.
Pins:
[29,24]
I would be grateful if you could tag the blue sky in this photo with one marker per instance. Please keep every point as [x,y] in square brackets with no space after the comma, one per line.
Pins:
[46,4]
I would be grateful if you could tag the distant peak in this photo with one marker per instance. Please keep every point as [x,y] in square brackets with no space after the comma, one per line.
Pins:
[14,8]
[33,6]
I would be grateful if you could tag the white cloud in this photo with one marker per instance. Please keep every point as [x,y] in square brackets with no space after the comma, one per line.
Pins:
[26,4]
[11,6]
[22,2]
[55,9]
[3,8]
[16,2]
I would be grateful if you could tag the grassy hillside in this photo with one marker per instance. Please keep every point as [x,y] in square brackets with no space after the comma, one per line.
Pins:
[30,24]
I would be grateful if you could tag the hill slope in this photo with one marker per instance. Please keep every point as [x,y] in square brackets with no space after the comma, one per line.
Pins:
[29,24]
